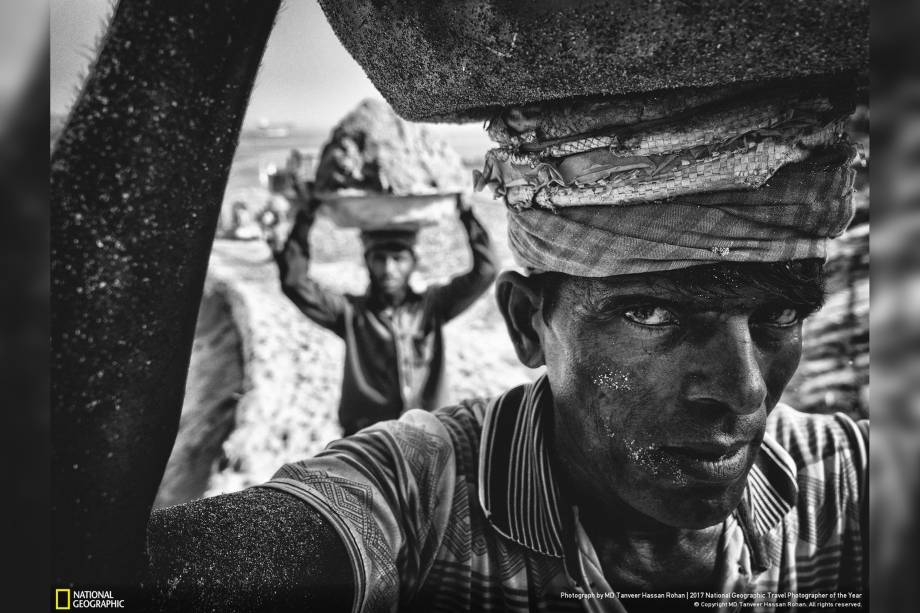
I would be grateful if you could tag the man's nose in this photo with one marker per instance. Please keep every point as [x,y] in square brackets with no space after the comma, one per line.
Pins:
[727,369]
[391,266]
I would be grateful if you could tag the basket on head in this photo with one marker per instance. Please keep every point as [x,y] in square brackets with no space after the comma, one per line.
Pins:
[376,212]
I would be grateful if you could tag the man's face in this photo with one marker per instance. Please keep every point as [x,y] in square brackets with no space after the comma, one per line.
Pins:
[389,269]
[661,395]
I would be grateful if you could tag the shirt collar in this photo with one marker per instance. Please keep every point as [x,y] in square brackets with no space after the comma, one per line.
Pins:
[521,499]
[517,489]
[376,303]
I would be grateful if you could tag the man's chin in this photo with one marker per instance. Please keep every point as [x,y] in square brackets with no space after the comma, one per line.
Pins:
[696,508]
[697,521]
[391,290]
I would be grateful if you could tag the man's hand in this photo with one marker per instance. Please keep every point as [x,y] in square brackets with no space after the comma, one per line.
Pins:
[464,207]
[292,182]
[303,222]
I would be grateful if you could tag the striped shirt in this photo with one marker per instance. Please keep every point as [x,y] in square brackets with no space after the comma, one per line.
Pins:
[459,510]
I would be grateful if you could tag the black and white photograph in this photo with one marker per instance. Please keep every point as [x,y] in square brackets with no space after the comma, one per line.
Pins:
[482,305]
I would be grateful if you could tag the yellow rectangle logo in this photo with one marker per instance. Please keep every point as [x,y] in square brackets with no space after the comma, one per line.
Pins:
[62,599]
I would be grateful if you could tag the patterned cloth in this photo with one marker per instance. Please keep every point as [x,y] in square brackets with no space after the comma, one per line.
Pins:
[791,217]
[672,180]
[602,154]
[459,510]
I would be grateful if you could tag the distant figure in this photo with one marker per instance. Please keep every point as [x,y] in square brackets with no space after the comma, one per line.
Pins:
[274,220]
[394,357]
[243,225]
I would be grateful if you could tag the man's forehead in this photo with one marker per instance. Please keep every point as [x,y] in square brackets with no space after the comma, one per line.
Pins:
[709,288]
[673,289]
[689,281]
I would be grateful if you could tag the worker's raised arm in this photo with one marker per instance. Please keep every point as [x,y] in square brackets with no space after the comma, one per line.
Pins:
[462,290]
[137,180]
[325,307]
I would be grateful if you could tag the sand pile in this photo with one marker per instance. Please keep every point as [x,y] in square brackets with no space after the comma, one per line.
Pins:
[373,151]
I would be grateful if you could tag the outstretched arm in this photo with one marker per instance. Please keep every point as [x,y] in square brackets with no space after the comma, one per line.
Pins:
[255,550]
[323,306]
[137,179]
[463,290]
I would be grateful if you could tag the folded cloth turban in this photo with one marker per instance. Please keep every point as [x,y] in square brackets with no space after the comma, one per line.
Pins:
[667,181]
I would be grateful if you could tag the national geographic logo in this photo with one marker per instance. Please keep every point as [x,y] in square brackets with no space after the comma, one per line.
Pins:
[62,600]
[66,599]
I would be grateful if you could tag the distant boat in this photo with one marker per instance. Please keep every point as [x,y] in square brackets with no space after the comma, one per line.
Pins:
[268,129]
[279,131]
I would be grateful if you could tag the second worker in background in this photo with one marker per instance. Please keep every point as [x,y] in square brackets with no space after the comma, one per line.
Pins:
[394,346]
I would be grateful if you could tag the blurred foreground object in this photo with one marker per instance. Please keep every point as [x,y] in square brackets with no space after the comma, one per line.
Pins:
[24,314]
[137,177]
[895,306]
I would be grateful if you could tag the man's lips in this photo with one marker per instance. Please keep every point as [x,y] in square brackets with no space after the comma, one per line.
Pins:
[712,450]
[711,461]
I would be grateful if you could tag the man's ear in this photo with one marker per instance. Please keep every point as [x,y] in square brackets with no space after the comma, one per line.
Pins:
[521,306]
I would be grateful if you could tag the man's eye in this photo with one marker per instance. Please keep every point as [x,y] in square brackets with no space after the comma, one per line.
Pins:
[782,318]
[650,315]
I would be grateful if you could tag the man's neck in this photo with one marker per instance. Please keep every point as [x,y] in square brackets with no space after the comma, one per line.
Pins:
[636,551]
[389,299]
[647,555]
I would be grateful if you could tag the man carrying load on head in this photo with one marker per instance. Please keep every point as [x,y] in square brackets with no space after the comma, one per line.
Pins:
[394,345]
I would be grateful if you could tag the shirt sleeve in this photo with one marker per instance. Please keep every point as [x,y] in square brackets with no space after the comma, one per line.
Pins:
[461,291]
[387,491]
[325,307]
